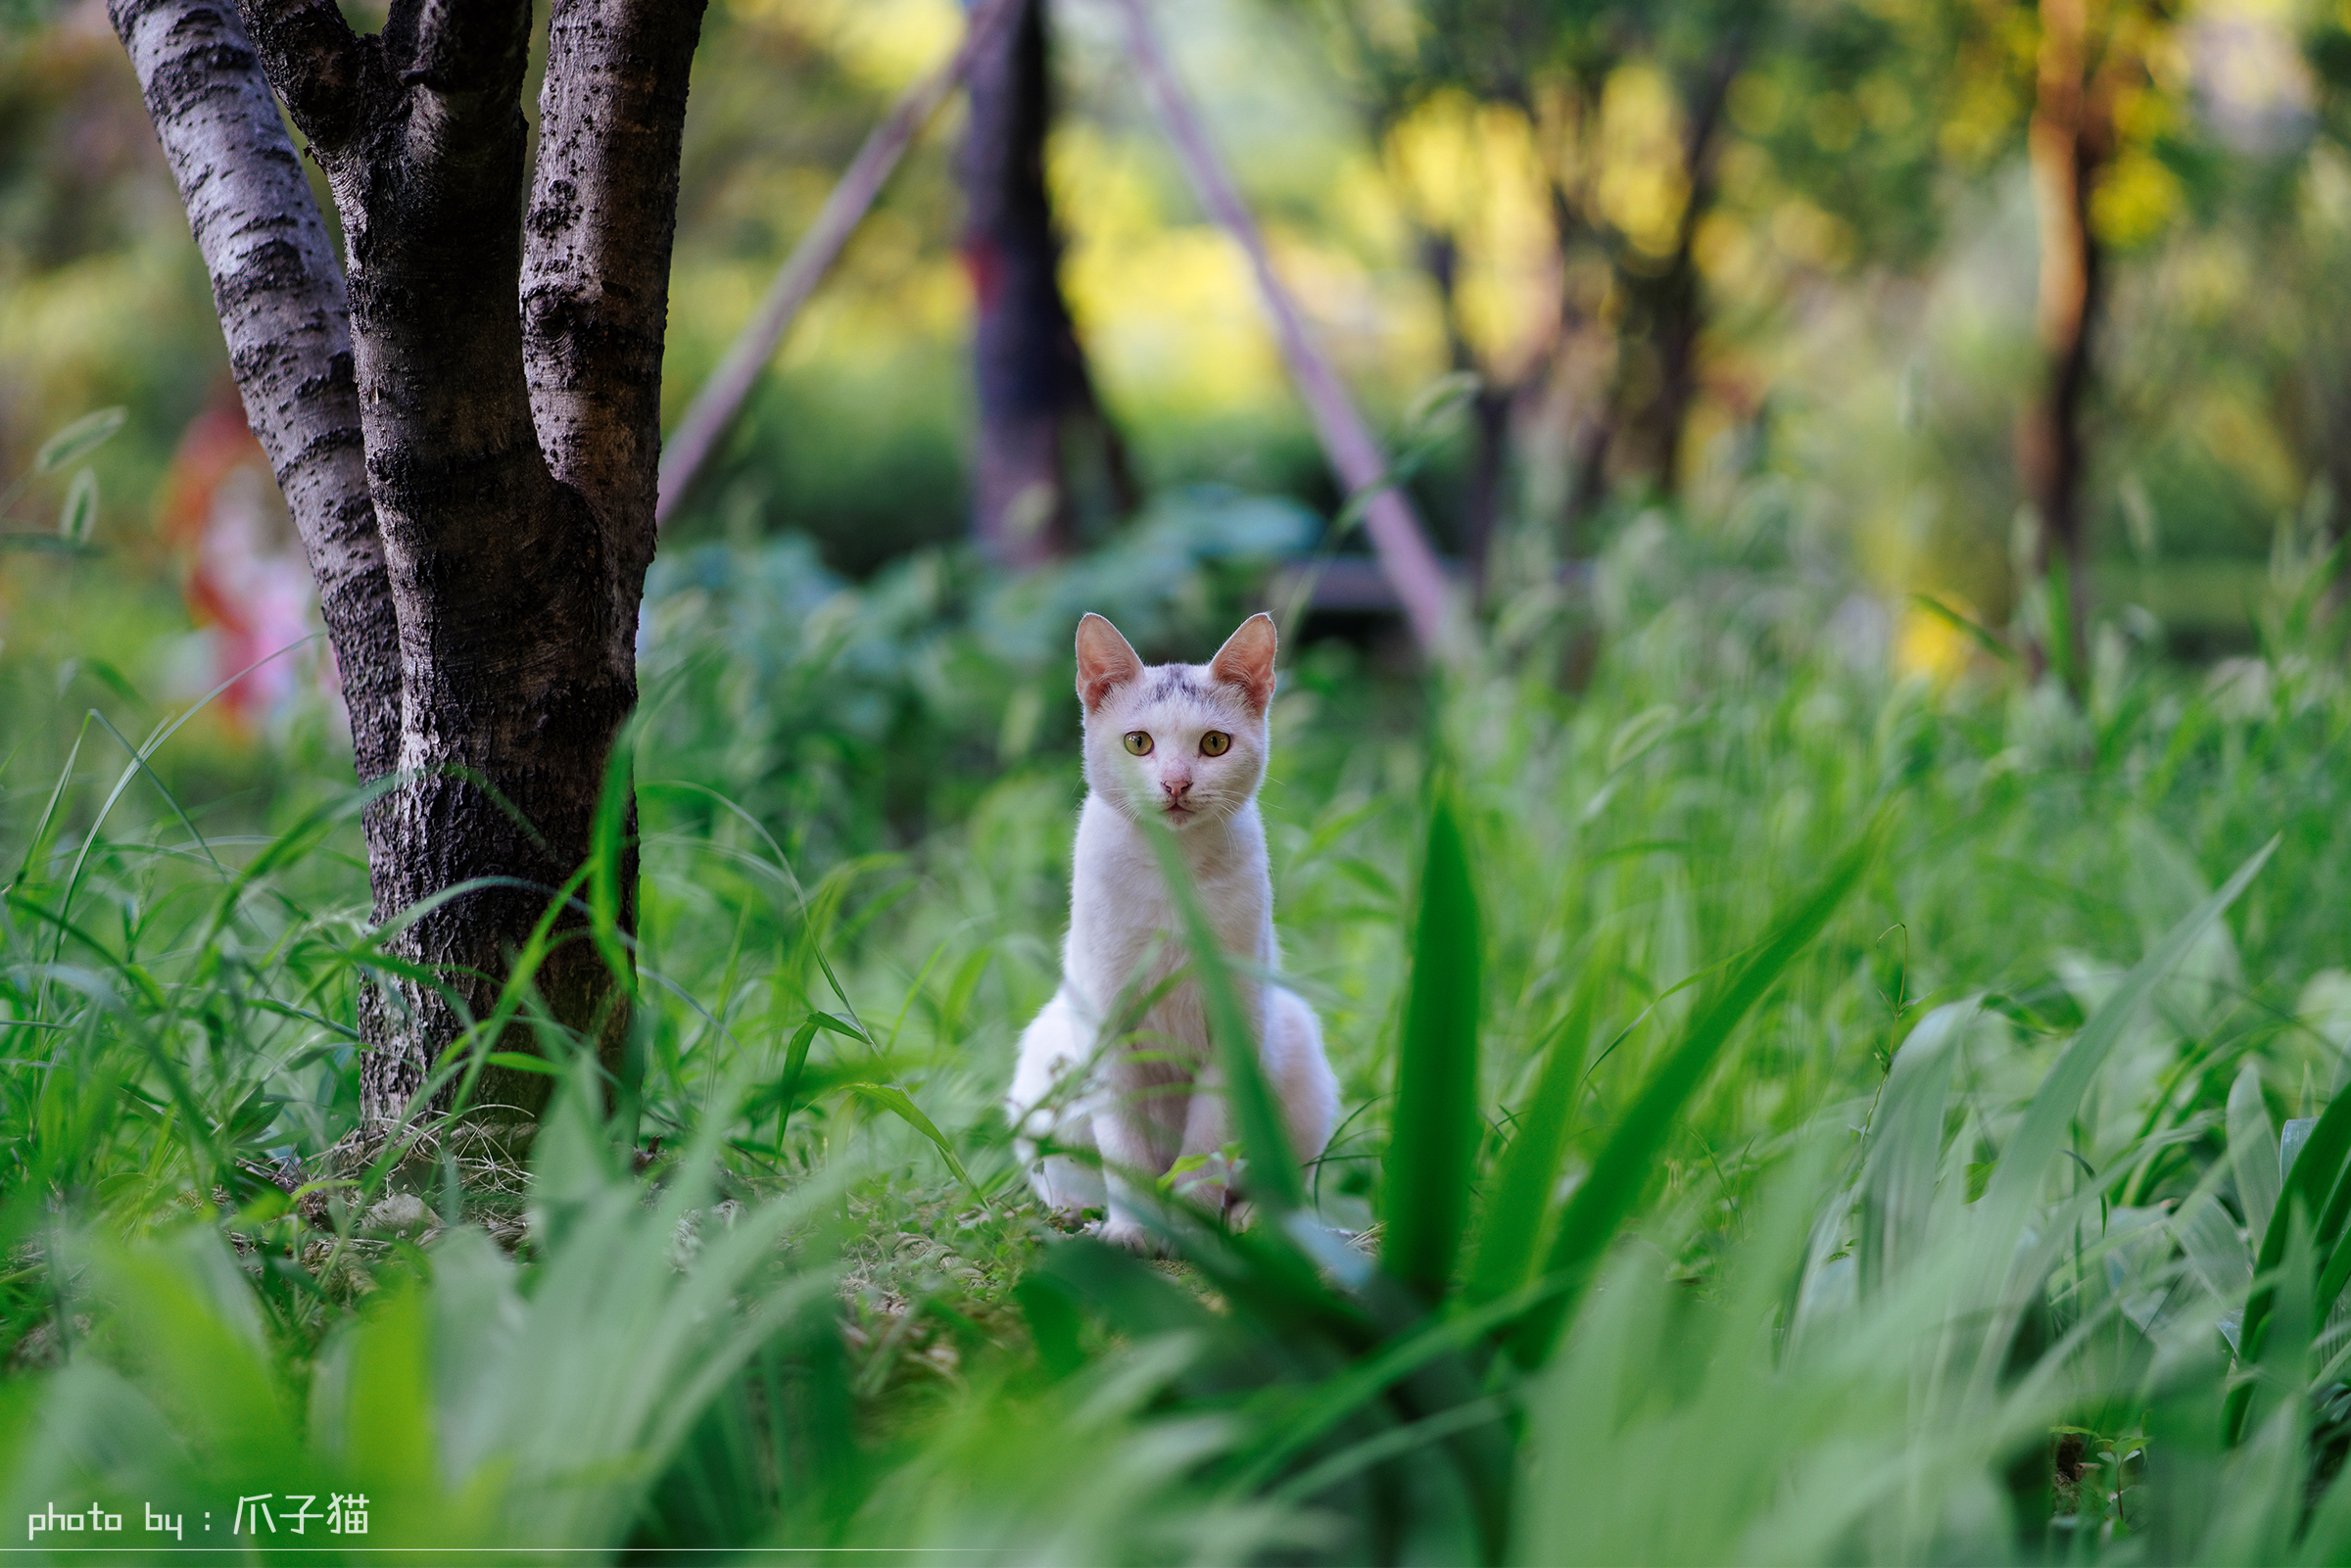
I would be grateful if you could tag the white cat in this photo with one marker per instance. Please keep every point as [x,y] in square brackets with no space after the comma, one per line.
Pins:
[1184,744]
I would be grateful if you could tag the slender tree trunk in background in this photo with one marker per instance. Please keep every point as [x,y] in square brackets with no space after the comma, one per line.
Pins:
[1587,439]
[719,401]
[506,414]
[1489,411]
[1667,307]
[1489,475]
[1041,429]
[2069,141]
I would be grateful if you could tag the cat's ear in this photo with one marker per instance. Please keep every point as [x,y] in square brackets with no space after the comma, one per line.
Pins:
[1246,660]
[1105,660]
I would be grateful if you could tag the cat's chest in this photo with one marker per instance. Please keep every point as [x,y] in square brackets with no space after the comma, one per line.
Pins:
[1124,929]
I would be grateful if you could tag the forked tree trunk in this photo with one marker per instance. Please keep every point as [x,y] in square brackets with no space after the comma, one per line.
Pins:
[2068,140]
[468,443]
[1044,451]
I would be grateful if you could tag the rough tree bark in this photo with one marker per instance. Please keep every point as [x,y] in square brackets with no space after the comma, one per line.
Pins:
[507,410]
[1041,428]
[2069,141]
[280,299]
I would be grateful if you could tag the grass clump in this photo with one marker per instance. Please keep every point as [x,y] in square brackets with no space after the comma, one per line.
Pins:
[1793,1112]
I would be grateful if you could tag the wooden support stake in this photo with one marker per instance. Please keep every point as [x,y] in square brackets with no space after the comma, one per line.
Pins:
[1405,555]
[713,410]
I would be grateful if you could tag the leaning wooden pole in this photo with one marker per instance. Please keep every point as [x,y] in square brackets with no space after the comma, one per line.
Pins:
[715,406]
[1406,558]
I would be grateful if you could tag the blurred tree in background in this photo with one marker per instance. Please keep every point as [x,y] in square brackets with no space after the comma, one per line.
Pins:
[1953,289]
[1047,469]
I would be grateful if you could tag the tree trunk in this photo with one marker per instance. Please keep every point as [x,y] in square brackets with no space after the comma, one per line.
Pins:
[2068,143]
[1592,419]
[1489,409]
[279,296]
[1041,428]
[1668,313]
[508,418]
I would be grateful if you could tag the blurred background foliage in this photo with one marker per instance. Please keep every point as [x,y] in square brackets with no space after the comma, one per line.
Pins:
[1682,246]
[1830,203]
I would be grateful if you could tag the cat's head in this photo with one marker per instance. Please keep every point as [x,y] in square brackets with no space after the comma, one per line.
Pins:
[1185,742]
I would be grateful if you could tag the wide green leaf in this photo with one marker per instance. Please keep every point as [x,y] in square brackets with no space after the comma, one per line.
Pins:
[2253,1150]
[1425,1191]
[1905,1146]
[2311,1203]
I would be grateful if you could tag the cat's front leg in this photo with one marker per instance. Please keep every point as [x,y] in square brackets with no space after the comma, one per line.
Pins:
[1123,1133]
[1050,1106]
[1207,1131]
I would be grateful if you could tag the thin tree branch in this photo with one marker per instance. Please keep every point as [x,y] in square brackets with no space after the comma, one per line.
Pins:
[714,409]
[280,299]
[316,63]
[1405,555]
[467,67]
[595,263]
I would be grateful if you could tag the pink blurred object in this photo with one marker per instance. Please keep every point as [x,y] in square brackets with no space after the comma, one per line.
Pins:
[247,579]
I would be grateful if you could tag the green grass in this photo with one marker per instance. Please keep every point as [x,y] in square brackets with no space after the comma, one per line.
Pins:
[1790,1113]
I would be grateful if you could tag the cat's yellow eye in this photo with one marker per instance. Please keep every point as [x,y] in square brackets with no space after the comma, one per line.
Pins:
[1215,743]
[1138,741]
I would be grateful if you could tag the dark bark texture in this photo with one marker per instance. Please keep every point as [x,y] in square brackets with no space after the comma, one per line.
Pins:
[1666,316]
[1490,407]
[1046,457]
[2070,141]
[508,376]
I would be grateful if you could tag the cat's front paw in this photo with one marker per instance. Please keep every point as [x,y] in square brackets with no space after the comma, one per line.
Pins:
[1133,1237]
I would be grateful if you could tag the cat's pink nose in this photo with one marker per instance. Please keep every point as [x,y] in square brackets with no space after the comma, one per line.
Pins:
[1175,789]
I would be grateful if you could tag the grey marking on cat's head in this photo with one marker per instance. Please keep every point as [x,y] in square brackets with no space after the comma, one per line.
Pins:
[1174,679]
[1175,712]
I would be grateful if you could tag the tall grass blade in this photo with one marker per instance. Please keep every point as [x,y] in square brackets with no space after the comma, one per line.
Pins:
[1519,1198]
[1425,1193]
[139,756]
[2023,1164]
[898,1103]
[1622,1171]
[2253,1150]
[38,844]
[1905,1146]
